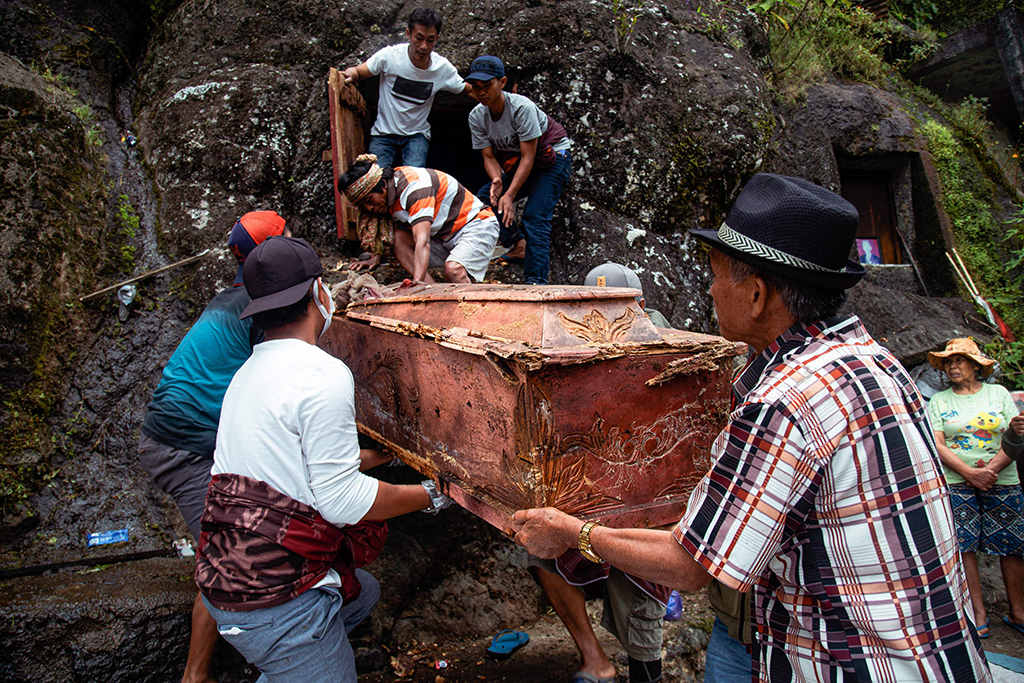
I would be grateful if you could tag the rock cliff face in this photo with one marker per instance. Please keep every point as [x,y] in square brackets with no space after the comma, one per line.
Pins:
[669,111]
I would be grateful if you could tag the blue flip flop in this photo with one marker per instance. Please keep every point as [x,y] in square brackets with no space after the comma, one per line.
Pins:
[1014,625]
[505,643]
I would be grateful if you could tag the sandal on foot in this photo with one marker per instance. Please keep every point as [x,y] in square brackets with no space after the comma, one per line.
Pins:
[505,643]
[584,677]
[983,630]
[1013,624]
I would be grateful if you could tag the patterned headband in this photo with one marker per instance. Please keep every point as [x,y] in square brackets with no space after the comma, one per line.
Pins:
[358,190]
[754,248]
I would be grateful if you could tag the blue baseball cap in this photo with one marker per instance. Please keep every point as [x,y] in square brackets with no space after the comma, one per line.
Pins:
[485,68]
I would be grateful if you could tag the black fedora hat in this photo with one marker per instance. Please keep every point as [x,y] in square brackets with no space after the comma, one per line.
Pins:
[791,228]
[278,273]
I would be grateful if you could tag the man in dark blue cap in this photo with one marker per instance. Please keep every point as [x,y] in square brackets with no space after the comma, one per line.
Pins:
[180,427]
[526,154]
[826,500]
[290,518]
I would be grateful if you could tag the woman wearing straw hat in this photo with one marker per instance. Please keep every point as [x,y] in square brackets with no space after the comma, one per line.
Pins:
[969,419]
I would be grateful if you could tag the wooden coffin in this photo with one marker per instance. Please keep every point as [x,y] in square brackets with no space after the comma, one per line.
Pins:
[518,396]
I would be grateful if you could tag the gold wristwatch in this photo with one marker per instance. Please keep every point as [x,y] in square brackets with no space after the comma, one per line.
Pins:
[587,550]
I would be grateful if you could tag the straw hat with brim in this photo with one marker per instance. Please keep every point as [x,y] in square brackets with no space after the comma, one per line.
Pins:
[278,273]
[791,228]
[964,347]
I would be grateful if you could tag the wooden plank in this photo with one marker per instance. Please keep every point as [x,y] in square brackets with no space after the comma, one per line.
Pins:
[348,113]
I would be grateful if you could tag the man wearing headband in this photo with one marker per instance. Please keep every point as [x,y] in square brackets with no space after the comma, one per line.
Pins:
[410,76]
[826,500]
[180,427]
[448,226]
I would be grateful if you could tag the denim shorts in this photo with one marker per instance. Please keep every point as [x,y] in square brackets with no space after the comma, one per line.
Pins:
[989,521]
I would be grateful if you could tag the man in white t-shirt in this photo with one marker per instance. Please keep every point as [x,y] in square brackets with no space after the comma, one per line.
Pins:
[289,515]
[410,76]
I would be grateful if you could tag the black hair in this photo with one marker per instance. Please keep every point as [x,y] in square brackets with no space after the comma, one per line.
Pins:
[286,315]
[357,171]
[425,16]
[806,303]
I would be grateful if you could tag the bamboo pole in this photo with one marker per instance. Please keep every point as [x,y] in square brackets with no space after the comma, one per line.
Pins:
[149,273]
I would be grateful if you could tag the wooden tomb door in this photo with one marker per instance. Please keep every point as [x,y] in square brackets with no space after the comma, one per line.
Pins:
[348,116]
[871,193]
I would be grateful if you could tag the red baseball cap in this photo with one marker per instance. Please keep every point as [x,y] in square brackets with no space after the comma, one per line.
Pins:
[251,229]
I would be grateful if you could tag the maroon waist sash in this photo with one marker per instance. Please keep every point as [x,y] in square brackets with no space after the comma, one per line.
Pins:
[259,548]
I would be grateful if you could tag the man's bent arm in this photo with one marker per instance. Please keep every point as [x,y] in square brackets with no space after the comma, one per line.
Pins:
[394,500]
[356,73]
[421,258]
[493,170]
[527,153]
[372,457]
[1013,438]
[645,553]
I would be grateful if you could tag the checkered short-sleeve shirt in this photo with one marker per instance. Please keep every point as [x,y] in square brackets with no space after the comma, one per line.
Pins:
[827,500]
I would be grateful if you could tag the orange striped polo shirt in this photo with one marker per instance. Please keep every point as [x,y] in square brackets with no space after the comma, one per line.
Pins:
[425,194]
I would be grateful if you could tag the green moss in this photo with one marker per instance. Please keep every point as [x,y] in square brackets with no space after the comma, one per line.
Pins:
[968,196]
[67,232]
[690,159]
[128,222]
[765,126]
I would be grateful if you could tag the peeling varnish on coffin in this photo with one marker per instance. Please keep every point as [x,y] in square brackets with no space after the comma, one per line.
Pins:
[705,360]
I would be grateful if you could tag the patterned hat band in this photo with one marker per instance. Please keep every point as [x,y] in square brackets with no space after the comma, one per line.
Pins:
[357,191]
[754,248]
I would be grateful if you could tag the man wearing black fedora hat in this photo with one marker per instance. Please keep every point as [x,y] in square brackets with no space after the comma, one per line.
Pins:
[826,500]
[289,515]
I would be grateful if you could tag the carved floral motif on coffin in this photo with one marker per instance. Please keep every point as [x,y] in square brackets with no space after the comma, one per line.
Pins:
[523,396]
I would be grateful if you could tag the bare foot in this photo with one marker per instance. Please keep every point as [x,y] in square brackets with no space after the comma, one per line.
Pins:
[518,251]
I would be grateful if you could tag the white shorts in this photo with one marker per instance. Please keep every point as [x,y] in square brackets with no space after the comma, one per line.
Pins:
[471,247]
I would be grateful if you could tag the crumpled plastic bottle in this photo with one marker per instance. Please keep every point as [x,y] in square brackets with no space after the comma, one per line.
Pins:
[675,607]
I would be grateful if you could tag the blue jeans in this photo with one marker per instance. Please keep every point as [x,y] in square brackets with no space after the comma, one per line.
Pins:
[413,149]
[304,639]
[544,187]
[727,660]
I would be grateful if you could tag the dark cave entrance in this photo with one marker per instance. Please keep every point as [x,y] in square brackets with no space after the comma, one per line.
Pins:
[899,210]
[451,148]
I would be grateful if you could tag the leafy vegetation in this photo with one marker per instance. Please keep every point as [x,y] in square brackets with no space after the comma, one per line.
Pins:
[1011,360]
[945,16]
[626,16]
[814,40]
[1011,354]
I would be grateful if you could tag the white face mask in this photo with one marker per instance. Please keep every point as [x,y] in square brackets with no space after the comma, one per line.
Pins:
[327,314]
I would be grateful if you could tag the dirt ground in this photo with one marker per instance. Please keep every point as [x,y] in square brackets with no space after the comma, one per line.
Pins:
[549,657]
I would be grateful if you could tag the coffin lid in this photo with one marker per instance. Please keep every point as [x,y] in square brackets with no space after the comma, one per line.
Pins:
[538,325]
